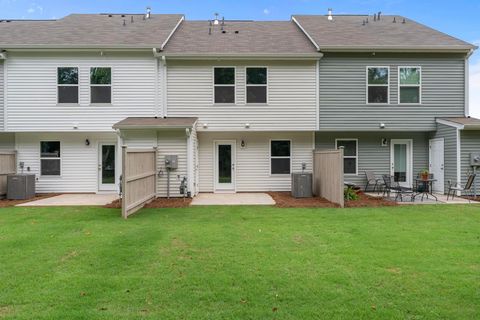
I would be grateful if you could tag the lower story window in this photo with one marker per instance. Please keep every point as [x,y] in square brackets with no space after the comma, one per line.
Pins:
[280,156]
[350,154]
[50,161]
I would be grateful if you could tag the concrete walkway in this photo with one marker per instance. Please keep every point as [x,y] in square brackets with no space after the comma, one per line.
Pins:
[74,199]
[228,199]
[442,199]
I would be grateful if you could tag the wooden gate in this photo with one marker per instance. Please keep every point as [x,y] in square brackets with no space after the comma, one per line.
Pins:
[8,165]
[139,178]
[328,175]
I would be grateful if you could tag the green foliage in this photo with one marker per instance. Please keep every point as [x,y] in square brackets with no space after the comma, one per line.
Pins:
[350,194]
[405,262]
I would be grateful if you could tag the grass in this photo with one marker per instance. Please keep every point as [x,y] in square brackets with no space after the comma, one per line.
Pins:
[407,262]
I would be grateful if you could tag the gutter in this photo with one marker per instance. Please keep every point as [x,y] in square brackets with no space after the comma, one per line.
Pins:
[236,56]
[467,83]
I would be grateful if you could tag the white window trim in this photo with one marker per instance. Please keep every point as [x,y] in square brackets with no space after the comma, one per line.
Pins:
[367,85]
[257,85]
[49,158]
[100,85]
[350,157]
[234,85]
[68,85]
[410,85]
[279,157]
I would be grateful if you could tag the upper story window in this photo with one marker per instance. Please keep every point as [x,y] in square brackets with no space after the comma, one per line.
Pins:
[409,85]
[257,85]
[224,85]
[101,85]
[378,85]
[67,82]
[350,154]
[50,162]
[280,156]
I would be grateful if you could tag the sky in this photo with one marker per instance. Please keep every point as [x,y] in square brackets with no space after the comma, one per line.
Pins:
[459,18]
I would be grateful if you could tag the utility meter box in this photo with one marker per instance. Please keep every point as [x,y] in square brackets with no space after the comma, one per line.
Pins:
[171,162]
[475,159]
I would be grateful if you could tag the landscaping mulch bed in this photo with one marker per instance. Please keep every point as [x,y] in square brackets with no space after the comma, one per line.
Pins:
[157,203]
[472,198]
[285,200]
[10,203]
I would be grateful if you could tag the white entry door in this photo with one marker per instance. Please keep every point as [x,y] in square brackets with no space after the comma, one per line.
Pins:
[401,158]
[225,166]
[437,164]
[106,166]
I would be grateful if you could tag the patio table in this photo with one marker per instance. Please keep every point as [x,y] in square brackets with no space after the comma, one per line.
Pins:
[427,188]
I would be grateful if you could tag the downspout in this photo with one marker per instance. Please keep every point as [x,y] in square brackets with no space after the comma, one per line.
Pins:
[317,93]
[3,56]
[467,83]
[161,82]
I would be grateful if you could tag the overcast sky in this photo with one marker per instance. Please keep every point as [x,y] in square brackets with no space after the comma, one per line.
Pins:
[460,18]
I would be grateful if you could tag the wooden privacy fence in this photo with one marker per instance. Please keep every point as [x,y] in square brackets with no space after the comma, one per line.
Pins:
[328,175]
[139,179]
[8,165]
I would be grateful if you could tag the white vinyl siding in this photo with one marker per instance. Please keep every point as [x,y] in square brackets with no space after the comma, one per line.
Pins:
[252,168]
[32,99]
[79,162]
[2,97]
[291,96]
[171,143]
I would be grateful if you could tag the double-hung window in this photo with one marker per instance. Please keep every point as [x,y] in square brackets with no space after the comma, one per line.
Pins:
[350,154]
[409,85]
[50,161]
[257,85]
[280,156]
[67,85]
[101,85]
[224,85]
[378,85]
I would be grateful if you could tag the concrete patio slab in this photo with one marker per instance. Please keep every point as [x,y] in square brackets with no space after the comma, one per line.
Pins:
[442,199]
[228,199]
[76,199]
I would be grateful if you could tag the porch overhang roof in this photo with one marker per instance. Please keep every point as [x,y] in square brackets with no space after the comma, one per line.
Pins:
[155,123]
[462,123]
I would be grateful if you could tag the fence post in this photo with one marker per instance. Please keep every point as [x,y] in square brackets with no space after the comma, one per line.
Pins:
[124,182]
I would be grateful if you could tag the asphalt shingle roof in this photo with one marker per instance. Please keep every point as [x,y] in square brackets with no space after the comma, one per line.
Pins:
[239,37]
[89,30]
[348,32]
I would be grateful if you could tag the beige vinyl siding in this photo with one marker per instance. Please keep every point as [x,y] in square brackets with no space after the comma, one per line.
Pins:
[32,91]
[2,96]
[172,142]
[470,142]
[7,141]
[449,135]
[253,161]
[79,163]
[291,96]
[343,92]
[371,154]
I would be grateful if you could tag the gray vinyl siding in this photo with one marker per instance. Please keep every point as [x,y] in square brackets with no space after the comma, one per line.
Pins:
[470,142]
[291,96]
[449,134]
[371,154]
[2,97]
[343,92]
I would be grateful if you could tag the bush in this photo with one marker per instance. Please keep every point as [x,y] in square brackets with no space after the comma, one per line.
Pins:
[350,194]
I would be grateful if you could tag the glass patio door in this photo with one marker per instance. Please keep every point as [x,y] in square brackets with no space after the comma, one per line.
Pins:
[401,162]
[106,167]
[225,166]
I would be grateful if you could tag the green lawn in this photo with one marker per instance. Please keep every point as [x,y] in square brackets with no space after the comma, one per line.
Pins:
[420,262]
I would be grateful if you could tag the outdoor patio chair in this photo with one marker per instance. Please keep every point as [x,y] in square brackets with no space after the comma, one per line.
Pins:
[454,188]
[373,180]
[392,186]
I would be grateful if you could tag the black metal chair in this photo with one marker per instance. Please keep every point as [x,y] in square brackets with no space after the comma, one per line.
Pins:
[391,185]
[372,180]
[454,188]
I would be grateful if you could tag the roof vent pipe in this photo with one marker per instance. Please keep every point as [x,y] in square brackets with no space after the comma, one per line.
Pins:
[374,17]
[149,13]
[330,16]
[379,14]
